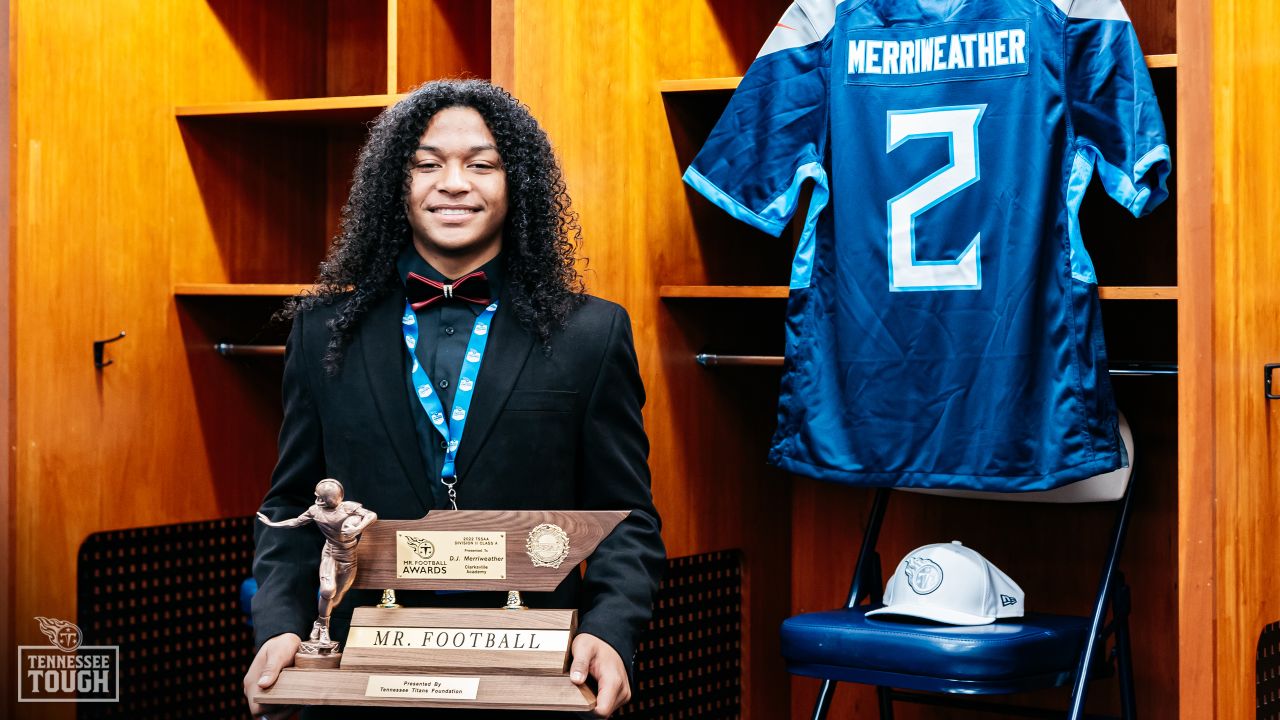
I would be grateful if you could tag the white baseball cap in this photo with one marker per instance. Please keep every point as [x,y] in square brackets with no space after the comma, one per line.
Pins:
[953,584]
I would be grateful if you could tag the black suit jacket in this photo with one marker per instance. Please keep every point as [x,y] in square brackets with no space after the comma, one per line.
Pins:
[559,430]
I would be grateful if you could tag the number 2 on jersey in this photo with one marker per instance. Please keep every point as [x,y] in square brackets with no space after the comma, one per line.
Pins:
[959,124]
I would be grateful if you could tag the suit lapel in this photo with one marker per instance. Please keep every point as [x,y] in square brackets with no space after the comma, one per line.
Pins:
[504,358]
[383,344]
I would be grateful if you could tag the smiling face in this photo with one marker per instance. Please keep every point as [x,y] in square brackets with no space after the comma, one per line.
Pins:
[457,199]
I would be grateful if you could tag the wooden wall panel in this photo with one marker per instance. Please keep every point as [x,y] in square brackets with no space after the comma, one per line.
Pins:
[590,73]
[343,146]
[1155,21]
[109,214]
[249,50]
[441,38]
[8,515]
[1246,335]
[356,48]
[261,186]
[1197,469]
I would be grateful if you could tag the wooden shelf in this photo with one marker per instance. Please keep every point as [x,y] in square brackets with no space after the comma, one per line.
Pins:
[1138,292]
[238,289]
[700,84]
[355,108]
[724,292]
[779,292]
[731,83]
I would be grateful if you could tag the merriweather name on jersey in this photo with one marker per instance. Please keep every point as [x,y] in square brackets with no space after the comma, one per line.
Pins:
[943,323]
[924,54]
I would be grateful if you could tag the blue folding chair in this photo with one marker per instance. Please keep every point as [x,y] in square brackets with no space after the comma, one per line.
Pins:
[948,665]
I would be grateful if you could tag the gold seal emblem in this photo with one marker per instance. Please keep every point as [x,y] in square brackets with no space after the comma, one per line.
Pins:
[547,545]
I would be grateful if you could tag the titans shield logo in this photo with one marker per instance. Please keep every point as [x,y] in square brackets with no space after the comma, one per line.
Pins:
[422,547]
[923,575]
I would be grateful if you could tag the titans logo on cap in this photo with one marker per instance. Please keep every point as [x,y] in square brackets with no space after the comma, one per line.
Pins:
[923,575]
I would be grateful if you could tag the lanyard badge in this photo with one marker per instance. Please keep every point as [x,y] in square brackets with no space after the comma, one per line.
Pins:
[449,426]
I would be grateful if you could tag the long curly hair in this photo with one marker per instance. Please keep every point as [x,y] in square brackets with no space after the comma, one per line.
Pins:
[539,236]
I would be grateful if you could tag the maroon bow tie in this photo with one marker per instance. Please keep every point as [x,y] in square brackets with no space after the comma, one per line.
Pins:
[423,292]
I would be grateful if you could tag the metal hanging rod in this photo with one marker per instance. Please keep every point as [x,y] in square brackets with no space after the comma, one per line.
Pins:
[1143,369]
[229,349]
[711,359]
[1132,369]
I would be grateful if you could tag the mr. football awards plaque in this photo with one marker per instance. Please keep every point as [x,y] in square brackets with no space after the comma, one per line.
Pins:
[496,658]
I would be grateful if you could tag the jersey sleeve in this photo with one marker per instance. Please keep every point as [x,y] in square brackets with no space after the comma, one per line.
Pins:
[772,135]
[1114,113]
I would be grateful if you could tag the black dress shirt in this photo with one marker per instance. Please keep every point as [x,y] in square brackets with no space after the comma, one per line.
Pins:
[444,329]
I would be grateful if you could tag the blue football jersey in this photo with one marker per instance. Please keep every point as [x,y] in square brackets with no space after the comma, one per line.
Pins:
[943,325]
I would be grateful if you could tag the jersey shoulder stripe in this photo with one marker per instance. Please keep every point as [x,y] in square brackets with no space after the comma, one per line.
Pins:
[1093,9]
[805,22]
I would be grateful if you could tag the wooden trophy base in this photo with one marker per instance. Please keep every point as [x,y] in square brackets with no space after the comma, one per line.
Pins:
[490,692]
[494,659]
[315,655]
[317,662]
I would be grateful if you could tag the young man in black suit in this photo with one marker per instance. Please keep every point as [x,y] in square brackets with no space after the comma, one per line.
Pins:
[449,358]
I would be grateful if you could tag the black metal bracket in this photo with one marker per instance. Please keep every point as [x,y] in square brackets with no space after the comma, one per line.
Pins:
[98,346]
[1267,372]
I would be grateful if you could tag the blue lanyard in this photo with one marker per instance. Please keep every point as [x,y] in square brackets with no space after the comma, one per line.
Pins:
[450,430]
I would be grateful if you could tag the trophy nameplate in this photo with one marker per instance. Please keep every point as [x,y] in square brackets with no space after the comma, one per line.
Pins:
[495,658]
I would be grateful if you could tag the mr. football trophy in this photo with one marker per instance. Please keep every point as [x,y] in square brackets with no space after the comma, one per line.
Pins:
[497,658]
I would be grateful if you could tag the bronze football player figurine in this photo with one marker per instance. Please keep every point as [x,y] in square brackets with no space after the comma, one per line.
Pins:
[341,523]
